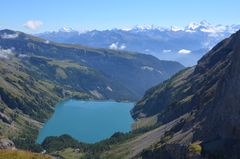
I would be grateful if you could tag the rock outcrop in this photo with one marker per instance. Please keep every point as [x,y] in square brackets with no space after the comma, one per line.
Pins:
[6,144]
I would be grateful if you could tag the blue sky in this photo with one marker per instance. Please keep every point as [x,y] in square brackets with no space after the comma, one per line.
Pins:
[43,15]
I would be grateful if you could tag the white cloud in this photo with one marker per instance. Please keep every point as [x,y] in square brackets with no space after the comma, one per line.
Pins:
[122,47]
[113,46]
[184,51]
[6,53]
[167,51]
[33,24]
[116,46]
[9,36]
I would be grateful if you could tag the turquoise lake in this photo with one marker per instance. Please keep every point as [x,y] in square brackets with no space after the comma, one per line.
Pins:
[88,121]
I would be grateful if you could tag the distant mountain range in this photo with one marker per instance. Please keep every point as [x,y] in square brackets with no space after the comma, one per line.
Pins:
[185,45]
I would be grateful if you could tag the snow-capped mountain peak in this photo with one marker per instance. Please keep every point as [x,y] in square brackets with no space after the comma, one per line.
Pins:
[206,27]
[203,26]
[184,44]
[192,26]
[204,23]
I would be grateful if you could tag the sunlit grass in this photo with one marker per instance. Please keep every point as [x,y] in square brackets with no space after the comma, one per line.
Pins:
[14,154]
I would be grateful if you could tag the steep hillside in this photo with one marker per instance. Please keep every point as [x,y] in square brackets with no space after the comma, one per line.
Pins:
[30,87]
[136,72]
[208,98]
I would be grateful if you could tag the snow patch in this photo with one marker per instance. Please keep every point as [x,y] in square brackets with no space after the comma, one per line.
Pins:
[192,26]
[47,42]
[9,36]
[175,29]
[148,68]
[96,94]
[159,72]
[22,56]
[109,88]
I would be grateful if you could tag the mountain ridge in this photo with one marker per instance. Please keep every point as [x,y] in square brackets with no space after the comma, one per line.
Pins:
[183,44]
[194,26]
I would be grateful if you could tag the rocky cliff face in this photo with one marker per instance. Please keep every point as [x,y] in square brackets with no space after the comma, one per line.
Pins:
[209,94]
[219,103]
[6,144]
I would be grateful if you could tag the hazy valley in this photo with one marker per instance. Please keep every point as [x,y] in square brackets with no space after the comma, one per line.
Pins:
[111,89]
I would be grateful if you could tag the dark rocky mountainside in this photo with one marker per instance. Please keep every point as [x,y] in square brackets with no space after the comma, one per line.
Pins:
[208,96]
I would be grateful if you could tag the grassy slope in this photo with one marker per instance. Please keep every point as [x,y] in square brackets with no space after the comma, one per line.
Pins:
[27,99]
[132,147]
[14,154]
[172,91]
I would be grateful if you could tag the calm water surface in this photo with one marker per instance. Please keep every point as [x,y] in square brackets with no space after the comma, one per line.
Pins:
[88,121]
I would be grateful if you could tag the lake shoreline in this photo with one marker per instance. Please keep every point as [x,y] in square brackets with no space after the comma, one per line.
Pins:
[103,111]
